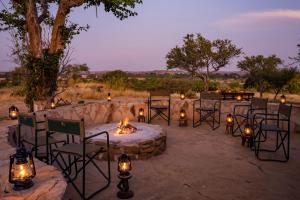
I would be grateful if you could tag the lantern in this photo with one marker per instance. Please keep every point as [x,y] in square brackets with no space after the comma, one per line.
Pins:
[218,91]
[141,117]
[124,167]
[108,97]
[13,112]
[229,120]
[182,96]
[283,99]
[21,169]
[248,130]
[182,114]
[238,98]
[53,104]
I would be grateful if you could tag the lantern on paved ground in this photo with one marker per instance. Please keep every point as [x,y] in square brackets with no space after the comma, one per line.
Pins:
[21,169]
[182,118]
[182,96]
[141,115]
[283,99]
[229,123]
[124,167]
[247,135]
[108,97]
[13,112]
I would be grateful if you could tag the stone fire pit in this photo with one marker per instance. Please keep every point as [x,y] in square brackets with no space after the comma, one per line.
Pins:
[147,141]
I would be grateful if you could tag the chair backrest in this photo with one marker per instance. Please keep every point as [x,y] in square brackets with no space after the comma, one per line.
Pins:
[160,93]
[285,110]
[210,96]
[259,103]
[27,120]
[66,126]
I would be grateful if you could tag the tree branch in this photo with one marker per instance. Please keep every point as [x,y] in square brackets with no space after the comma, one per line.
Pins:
[45,12]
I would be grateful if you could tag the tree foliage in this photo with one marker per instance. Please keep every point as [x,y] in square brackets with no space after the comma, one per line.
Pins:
[46,35]
[116,79]
[257,68]
[200,56]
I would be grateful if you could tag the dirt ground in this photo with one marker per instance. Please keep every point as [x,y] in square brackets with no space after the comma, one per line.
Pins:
[204,164]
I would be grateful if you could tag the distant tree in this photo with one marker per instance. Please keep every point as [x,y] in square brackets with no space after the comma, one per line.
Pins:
[200,56]
[116,79]
[74,71]
[16,77]
[279,78]
[296,59]
[258,68]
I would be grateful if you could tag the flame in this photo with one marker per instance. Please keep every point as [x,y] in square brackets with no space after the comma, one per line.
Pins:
[126,121]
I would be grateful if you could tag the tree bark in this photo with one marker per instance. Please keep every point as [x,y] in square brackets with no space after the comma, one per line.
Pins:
[34,29]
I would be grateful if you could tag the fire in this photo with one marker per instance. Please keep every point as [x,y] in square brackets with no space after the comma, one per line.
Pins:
[125,128]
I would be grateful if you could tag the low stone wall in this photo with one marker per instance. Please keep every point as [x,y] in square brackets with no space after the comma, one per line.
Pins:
[49,184]
[99,112]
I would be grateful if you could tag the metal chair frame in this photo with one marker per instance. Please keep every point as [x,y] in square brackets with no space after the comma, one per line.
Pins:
[256,105]
[160,110]
[76,128]
[30,121]
[208,114]
[283,115]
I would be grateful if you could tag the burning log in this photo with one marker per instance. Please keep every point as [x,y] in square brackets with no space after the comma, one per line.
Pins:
[125,128]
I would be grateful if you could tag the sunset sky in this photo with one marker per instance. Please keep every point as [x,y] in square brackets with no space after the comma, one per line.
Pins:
[142,42]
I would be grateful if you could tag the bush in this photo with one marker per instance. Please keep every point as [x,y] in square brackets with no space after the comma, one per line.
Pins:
[213,85]
[235,85]
[116,80]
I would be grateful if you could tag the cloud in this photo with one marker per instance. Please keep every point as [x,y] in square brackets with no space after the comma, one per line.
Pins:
[258,18]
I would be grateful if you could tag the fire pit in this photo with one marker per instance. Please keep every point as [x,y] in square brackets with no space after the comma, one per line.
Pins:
[138,140]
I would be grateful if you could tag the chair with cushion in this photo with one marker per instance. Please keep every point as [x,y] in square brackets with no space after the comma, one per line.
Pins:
[79,153]
[257,105]
[279,124]
[159,102]
[38,140]
[209,109]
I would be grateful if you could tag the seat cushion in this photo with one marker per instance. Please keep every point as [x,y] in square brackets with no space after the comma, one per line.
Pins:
[41,140]
[77,149]
[270,127]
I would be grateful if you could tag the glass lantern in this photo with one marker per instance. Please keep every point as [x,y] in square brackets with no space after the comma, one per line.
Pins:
[21,169]
[108,97]
[248,130]
[283,99]
[182,114]
[182,96]
[13,112]
[238,98]
[124,164]
[141,112]
[52,105]
[229,119]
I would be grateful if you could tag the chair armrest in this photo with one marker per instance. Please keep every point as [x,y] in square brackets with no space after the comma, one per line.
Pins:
[38,122]
[91,136]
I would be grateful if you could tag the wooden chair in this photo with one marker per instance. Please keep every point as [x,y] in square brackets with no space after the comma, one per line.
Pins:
[209,109]
[80,151]
[38,139]
[159,101]
[257,105]
[282,130]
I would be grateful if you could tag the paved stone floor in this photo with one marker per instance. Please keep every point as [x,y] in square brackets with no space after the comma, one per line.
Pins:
[204,164]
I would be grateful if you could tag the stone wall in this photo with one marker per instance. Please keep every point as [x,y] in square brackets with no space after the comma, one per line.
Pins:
[98,112]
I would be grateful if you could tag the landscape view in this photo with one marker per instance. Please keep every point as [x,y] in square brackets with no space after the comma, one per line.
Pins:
[119,99]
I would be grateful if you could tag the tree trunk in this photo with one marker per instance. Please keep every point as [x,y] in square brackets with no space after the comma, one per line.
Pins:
[34,30]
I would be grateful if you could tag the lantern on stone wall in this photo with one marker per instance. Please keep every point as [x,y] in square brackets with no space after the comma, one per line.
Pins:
[21,169]
[182,118]
[182,96]
[124,167]
[52,104]
[108,97]
[283,99]
[13,112]
[248,130]
[238,97]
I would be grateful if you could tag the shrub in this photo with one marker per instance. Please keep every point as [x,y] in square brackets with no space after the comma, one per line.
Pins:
[116,80]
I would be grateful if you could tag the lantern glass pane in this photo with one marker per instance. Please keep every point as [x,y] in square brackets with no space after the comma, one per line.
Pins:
[21,172]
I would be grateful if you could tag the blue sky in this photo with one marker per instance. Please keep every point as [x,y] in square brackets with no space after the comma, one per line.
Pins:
[142,42]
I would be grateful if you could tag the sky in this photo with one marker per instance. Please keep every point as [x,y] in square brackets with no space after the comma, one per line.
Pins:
[141,43]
